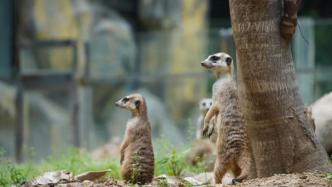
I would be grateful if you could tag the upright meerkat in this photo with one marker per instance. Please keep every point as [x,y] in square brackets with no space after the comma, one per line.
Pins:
[204,106]
[233,149]
[136,151]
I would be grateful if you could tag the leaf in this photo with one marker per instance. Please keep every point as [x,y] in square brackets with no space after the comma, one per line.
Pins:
[52,177]
[91,175]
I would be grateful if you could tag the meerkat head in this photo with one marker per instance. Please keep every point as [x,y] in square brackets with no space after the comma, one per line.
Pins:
[135,103]
[219,63]
[205,104]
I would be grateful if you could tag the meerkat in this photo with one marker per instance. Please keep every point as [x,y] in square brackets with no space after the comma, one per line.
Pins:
[204,106]
[136,151]
[233,148]
[202,150]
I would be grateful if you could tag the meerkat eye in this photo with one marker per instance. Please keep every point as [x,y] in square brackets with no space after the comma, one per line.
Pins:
[228,60]
[203,104]
[214,58]
[137,103]
[126,99]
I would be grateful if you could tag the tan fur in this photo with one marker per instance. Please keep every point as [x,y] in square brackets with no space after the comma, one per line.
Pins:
[233,149]
[137,158]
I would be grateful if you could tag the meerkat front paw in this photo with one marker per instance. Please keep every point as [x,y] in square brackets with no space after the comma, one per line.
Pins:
[210,130]
[206,129]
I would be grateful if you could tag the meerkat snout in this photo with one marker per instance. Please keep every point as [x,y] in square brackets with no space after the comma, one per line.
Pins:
[204,64]
[122,102]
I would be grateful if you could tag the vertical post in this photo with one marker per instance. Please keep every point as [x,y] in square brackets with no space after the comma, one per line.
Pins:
[85,97]
[19,127]
[74,91]
[85,111]
[19,99]
[304,53]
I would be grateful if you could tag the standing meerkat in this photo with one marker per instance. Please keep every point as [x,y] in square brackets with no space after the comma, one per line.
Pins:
[233,148]
[204,106]
[202,150]
[136,151]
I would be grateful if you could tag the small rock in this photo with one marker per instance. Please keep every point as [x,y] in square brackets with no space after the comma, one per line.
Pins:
[49,178]
[303,177]
[91,175]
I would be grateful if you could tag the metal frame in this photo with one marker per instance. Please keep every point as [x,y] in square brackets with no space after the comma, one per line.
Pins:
[46,80]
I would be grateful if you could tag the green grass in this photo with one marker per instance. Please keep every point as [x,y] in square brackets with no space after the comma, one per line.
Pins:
[168,160]
[71,160]
[171,161]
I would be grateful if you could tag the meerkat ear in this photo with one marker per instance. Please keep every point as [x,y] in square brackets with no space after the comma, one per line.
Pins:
[137,103]
[228,60]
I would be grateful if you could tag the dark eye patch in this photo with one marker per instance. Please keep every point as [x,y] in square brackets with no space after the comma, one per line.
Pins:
[228,60]
[126,99]
[203,104]
[214,58]
[137,103]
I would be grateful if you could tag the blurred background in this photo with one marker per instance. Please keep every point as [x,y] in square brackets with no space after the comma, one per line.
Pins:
[63,64]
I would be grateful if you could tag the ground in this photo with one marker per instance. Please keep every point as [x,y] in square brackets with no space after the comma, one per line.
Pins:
[284,180]
[290,180]
[169,163]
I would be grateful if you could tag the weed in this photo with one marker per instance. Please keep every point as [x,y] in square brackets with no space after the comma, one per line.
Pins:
[171,160]
[9,174]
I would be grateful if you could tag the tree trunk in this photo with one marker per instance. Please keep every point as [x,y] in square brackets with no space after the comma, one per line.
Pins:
[281,139]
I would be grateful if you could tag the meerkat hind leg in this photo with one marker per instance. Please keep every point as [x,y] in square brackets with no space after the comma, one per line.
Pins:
[221,167]
[219,172]
[244,164]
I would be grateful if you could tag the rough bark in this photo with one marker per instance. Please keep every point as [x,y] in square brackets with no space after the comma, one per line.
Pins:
[281,139]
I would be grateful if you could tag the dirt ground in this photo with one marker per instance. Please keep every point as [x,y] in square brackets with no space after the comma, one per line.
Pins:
[281,180]
[289,180]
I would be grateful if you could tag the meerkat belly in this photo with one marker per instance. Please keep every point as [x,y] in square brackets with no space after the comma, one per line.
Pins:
[235,137]
[232,125]
[139,161]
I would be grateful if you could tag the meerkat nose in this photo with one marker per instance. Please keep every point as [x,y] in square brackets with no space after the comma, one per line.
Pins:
[117,103]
